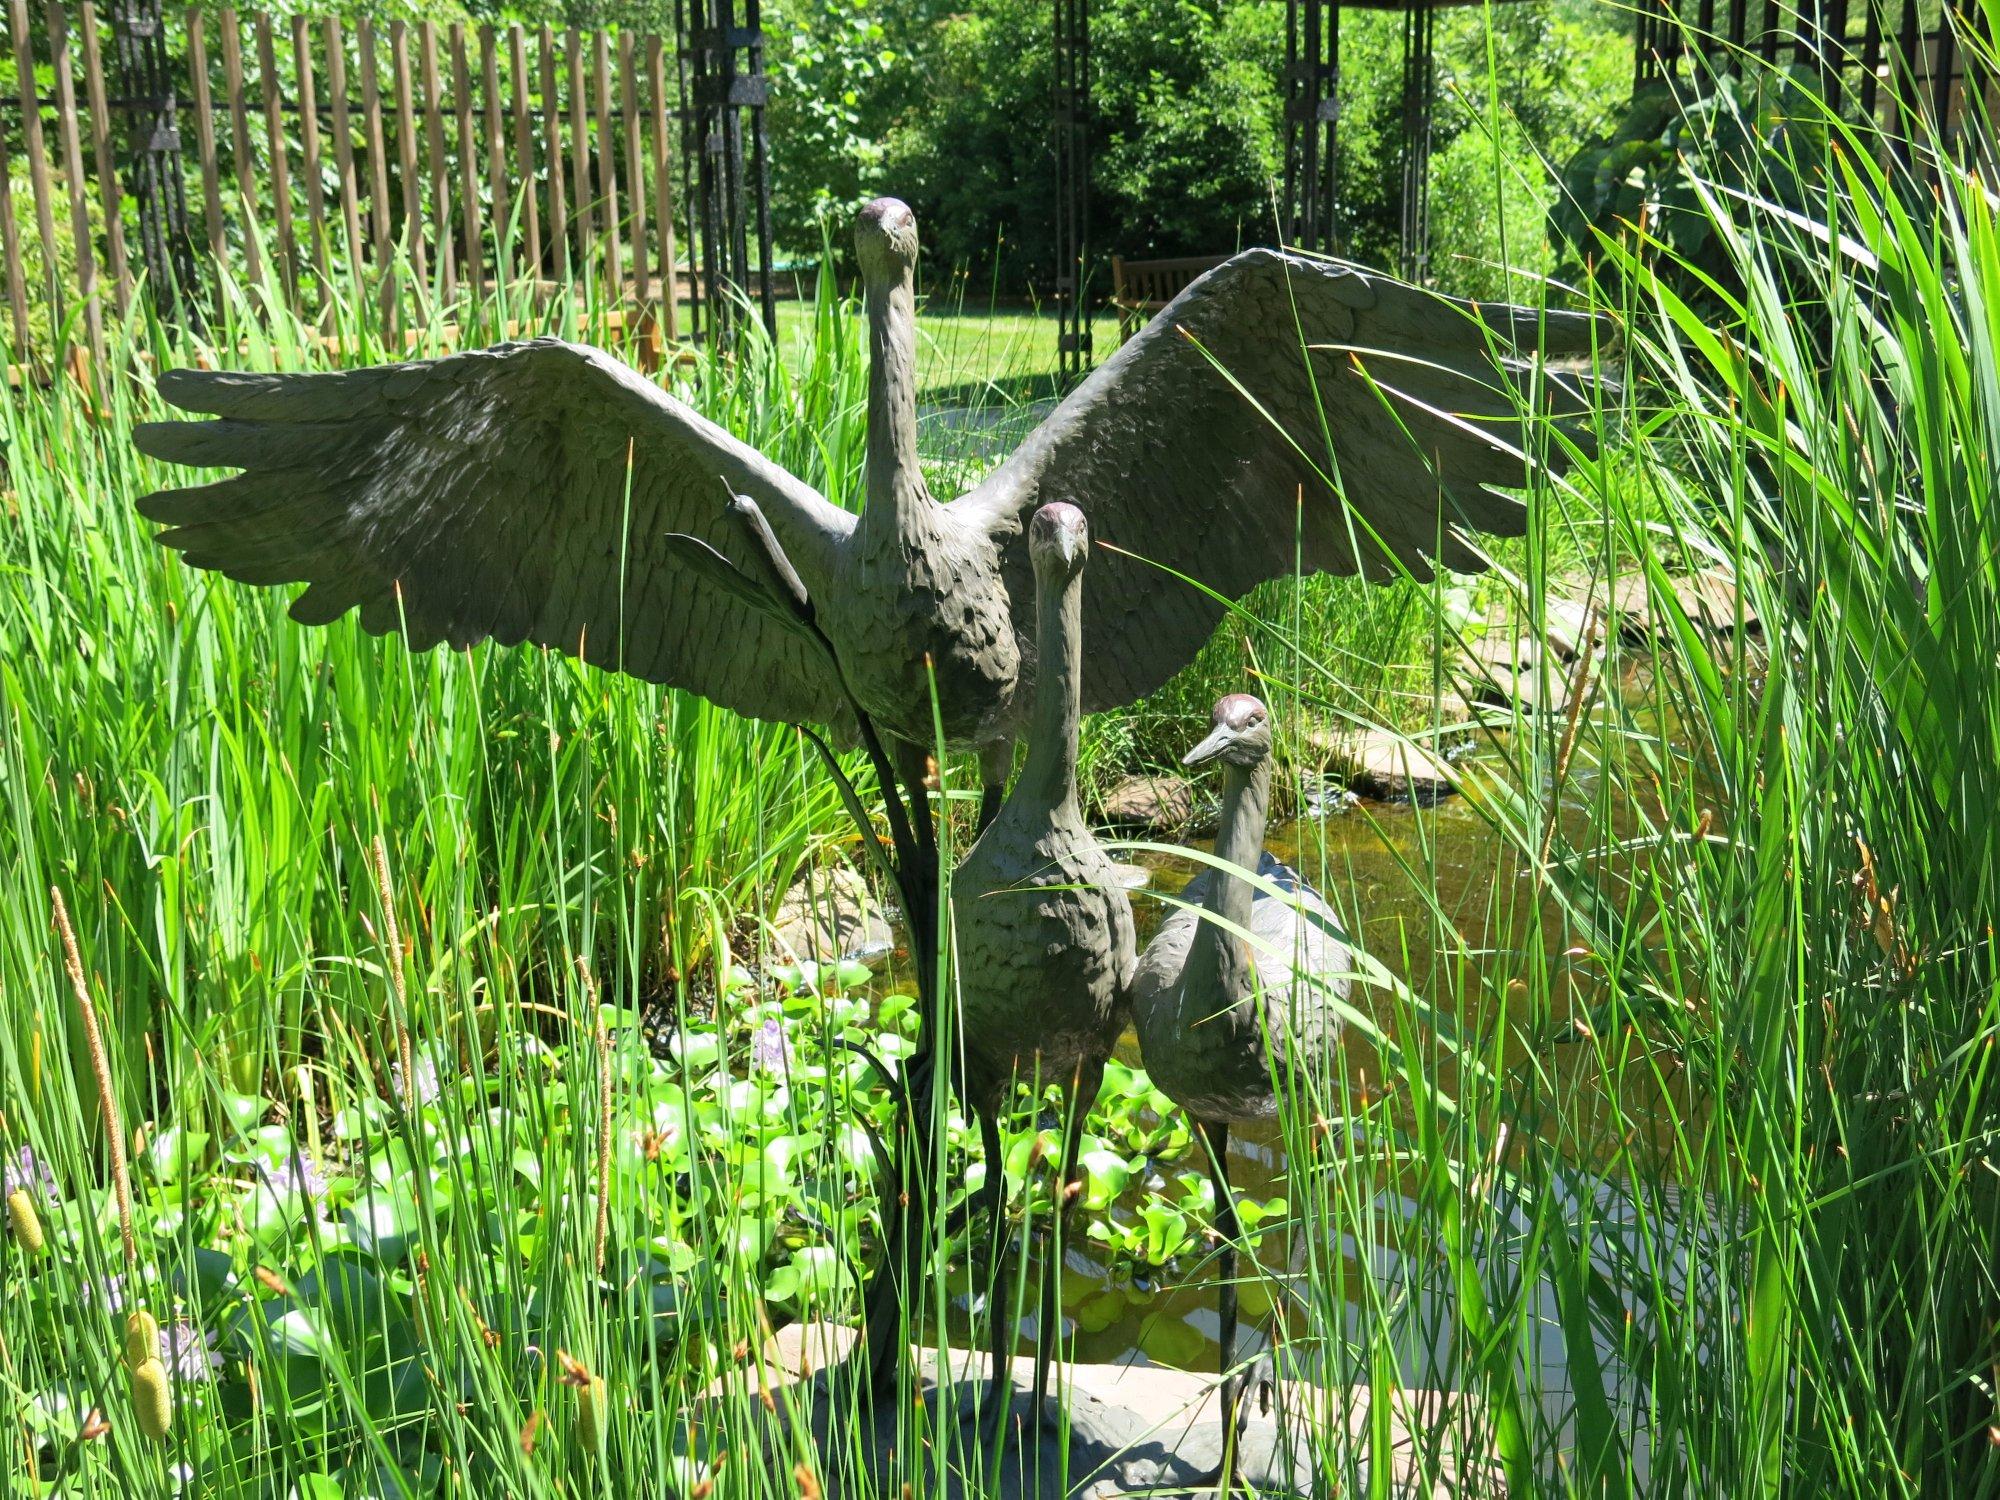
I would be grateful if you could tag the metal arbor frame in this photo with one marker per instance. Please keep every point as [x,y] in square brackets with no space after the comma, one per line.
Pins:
[145,73]
[1312,126]
[1310,79]
[723,94]
[1072,151]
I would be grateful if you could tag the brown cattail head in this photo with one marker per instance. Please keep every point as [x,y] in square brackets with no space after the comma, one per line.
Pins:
[153,1399]
[25,1223]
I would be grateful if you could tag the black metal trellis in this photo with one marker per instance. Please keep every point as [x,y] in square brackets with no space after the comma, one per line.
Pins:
[1312,124]
[1419,111]
[1072,151]
[154,168]
[724,91]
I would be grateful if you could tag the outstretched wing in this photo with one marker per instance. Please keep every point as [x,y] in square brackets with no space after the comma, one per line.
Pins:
[521,493]
[1273,380]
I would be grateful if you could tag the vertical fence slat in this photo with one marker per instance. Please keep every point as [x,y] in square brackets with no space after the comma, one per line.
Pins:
[524,149]
[38,159]
[440,168]
[496,156]
[105,153]
[468,158]
[17,274]
[607,167]
[204,135]
[552,139]
[83,246]
[381,218]
[663,192]
[335,42]
[579,149]
[279,163]
[635,170]
[309,144]
[239,140]
[406,152]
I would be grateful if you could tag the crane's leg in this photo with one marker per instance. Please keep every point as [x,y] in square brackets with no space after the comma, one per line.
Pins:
[999,1305]
[996,759]
[1216,1135]
[1082,1094]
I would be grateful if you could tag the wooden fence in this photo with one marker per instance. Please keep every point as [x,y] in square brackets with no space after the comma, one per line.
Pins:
[421,159]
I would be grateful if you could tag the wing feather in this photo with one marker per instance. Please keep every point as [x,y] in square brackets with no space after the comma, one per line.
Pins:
[521,493]
[1220,440]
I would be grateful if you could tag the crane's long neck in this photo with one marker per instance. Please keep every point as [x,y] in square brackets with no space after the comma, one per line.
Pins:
[1048,780]
[1218,952]
[895,484]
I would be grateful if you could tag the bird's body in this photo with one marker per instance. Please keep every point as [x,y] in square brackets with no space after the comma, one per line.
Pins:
[1237,998]
[1045,945]
[1213,1054]
[1283,414]
[1044,933]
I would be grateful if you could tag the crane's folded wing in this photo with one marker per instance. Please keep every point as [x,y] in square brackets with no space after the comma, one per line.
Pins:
[1221,441]
[521,493]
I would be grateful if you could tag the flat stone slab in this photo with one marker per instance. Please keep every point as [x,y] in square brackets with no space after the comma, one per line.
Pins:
[1155,804]
[1385,766]
[1120,1429]
[830,914]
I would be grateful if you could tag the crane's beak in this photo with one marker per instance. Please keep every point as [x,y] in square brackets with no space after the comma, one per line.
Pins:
[1219,739]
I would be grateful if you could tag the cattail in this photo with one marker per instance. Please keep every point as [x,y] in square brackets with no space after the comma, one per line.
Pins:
[393,940]
[142,1338]
[603,1038]
[808,1481]
[153,1399]
[100,1067]
[25,1222]
[592,1412]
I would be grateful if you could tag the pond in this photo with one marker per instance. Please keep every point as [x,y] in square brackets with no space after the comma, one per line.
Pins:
[1395,867]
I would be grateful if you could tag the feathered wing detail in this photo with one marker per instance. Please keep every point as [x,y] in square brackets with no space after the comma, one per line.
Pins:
[527,492]
[1273,378]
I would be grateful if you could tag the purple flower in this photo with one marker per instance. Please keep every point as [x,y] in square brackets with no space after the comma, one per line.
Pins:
[108,1294]
[427,1088]
[27,1171]
[187,1353]
[769,1048]
[295,1174]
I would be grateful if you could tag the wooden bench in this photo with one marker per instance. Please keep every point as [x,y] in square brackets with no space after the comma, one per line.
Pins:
[1140,288]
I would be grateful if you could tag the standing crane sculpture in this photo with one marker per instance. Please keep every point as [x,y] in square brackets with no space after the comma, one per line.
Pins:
[1282,414]
[1237,996]
[1045,937]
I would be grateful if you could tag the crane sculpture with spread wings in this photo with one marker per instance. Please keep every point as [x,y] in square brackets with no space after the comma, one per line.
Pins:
[1284,413]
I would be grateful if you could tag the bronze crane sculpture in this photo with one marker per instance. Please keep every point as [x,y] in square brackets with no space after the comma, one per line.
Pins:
[1045,938]
[1237,997]
[1284,413]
